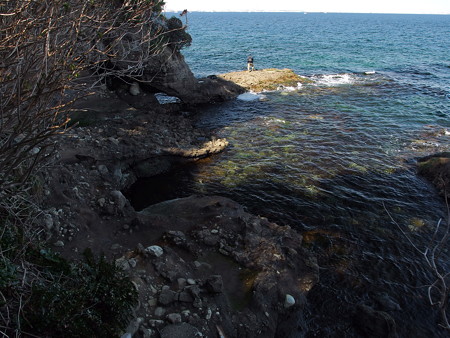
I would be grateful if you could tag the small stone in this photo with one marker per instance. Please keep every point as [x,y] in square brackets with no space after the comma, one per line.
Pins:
[48,220]
[147,333]
[134,325]
[185,297]
[126,335]
[214,231]
[289,301]
[208,314]
[181,283]
[159,312]
[152,301]
[101,202]
[155,250]
[120,199]
[214,284]
[102,169]
[155,322]
[134,89]
[132,262]
[122,263]
[191,281]
[167,296]
[115,246]
[174,318]
[59,244]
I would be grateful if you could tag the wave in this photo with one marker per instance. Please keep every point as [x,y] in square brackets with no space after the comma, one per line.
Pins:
[251,96]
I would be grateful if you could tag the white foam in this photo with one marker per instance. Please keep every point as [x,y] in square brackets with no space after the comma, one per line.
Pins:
[251,96]
[333,80]
[290,88]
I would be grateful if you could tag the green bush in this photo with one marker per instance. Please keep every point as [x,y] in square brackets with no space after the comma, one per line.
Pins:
[59,298]
[92,298]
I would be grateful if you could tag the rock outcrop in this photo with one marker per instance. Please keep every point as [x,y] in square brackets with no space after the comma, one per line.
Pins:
[218,270]
[436,168]
[265,79]
[167,72]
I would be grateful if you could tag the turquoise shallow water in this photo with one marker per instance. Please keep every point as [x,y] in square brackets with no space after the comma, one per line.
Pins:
[329,156]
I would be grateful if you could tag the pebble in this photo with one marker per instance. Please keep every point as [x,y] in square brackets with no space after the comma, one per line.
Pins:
[152,301]
[289,301]
[159,312]
[181,283]
[174,318]
[59,243]
[102,169]
[208,314]
[155,250]
[101,202]
[132,262]
[190,281]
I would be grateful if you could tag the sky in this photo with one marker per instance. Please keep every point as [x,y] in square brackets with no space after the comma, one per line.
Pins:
[342,6]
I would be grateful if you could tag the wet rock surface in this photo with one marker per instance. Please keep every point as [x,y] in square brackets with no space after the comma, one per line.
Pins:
[436,168]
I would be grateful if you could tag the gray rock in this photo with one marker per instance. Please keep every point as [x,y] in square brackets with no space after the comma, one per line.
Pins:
[214,284]
[120,200]
[185,297]
[194,290]
[102,169]
[122,263]
[147,333]
[59,244]
[181,283]
[101,202]
[167,296]
[48,221]
[134,325]
[373,323]
[159,312]
[289,301]
[174,318]
[155,250]
[152,301]
[155,322]
[208,314]
[183,330]
[134,89]
[132,262]
[191,281]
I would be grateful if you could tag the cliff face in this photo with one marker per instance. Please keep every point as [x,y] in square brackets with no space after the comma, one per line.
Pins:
[168,72]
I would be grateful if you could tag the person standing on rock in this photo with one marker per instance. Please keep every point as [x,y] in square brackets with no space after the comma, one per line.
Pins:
[250,66]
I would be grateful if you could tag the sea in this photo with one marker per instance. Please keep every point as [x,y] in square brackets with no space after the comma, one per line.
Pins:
[334,158]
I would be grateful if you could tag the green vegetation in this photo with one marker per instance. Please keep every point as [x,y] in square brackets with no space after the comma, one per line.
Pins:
[59,298]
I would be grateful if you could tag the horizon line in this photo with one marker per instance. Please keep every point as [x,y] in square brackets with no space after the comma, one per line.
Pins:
[297,11]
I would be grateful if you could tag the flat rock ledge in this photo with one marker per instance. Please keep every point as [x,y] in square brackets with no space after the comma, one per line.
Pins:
[217,271]
[264,79]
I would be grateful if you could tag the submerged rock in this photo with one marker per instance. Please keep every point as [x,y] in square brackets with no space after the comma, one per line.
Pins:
[436,168]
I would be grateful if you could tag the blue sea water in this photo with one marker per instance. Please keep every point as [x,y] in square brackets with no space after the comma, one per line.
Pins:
[335,157]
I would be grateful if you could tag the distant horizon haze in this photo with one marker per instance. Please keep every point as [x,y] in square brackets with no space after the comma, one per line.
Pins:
[344,6]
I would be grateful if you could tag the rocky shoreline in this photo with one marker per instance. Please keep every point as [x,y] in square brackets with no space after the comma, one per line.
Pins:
[202,266]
